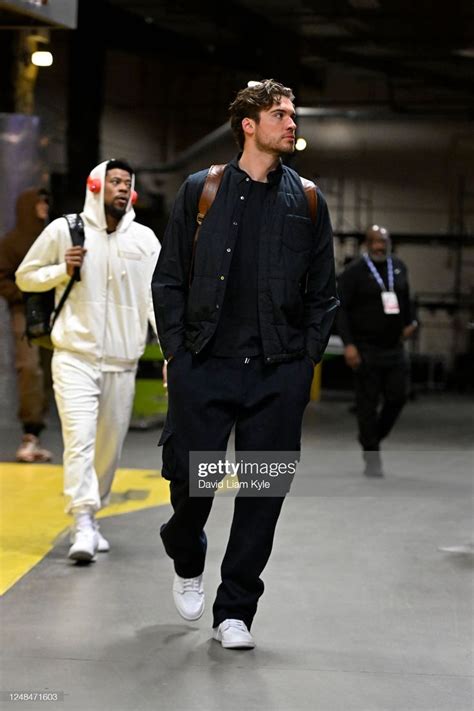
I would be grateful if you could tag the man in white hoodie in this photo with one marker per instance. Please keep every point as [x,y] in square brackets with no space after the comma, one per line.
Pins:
[98,337]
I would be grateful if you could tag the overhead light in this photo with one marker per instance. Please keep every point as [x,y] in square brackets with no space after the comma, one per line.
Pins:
[34,39]
[42,59]
[466,52]
[300,144]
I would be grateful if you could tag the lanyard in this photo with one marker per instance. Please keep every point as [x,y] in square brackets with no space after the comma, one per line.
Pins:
[377,276]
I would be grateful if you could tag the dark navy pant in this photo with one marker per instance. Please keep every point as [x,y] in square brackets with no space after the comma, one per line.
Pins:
[381,392]
[207,397]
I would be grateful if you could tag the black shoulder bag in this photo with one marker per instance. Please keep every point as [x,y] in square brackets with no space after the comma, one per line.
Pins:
[40,311]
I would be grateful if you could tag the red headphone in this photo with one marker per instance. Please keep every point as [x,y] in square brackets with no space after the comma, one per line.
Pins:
[94,185]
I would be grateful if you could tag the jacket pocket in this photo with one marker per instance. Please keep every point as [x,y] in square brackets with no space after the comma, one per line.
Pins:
[202,299]
[288,306]
[168,469]
[165,435]
[297,233]
[137,256]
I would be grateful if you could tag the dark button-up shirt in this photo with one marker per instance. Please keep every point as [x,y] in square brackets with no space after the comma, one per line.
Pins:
[238,329]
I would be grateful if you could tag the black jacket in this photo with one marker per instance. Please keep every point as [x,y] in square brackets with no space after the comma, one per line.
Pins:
[296,277]
[361,318]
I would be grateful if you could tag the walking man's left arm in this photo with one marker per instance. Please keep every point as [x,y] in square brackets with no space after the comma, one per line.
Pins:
[320,297]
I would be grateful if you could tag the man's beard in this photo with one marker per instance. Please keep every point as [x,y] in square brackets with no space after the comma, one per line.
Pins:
[379,258]
[116,212]
[275,150]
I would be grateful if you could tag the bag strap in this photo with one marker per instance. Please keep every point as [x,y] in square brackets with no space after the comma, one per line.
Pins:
[209,192]
[310,190]
[62,300]
[76,230]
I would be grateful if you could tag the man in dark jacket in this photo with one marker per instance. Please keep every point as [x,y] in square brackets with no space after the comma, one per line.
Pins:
[32,211]
[242,320]
[374,320]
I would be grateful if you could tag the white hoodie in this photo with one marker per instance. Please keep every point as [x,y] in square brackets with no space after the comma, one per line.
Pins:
[105,316]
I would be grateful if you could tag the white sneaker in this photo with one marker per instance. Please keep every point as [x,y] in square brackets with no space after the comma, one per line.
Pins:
[233,634]
[86,541]
[188,596]
[31,451]
[103,546]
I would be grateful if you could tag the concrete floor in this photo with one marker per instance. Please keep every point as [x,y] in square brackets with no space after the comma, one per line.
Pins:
[361,612]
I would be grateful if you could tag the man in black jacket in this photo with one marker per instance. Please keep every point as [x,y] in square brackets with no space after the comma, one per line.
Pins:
[242,322]
[374,320]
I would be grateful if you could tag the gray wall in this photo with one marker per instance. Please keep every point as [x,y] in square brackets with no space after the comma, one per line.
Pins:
[20,168]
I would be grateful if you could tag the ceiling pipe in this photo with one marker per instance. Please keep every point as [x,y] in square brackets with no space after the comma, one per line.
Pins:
[302,112]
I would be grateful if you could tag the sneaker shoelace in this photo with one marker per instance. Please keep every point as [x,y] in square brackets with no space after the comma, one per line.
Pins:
[191,584]
[238,625]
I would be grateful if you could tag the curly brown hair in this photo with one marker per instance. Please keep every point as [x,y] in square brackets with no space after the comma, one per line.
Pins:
[250,101]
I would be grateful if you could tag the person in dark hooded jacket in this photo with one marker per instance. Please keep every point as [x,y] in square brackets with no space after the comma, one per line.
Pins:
[32,211]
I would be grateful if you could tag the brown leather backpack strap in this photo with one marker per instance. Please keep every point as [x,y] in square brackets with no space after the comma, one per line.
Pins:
[311,195]
[208,195]
[209,191]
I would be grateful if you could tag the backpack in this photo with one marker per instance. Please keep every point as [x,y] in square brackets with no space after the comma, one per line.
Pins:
[209,192]
[40,311]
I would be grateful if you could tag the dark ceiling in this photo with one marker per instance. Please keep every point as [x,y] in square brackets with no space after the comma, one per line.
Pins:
[422,50]
[416,56]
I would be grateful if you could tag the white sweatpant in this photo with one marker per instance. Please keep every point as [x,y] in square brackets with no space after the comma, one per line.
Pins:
[94,407]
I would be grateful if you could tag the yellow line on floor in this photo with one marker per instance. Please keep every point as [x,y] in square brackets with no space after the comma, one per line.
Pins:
[32,511]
